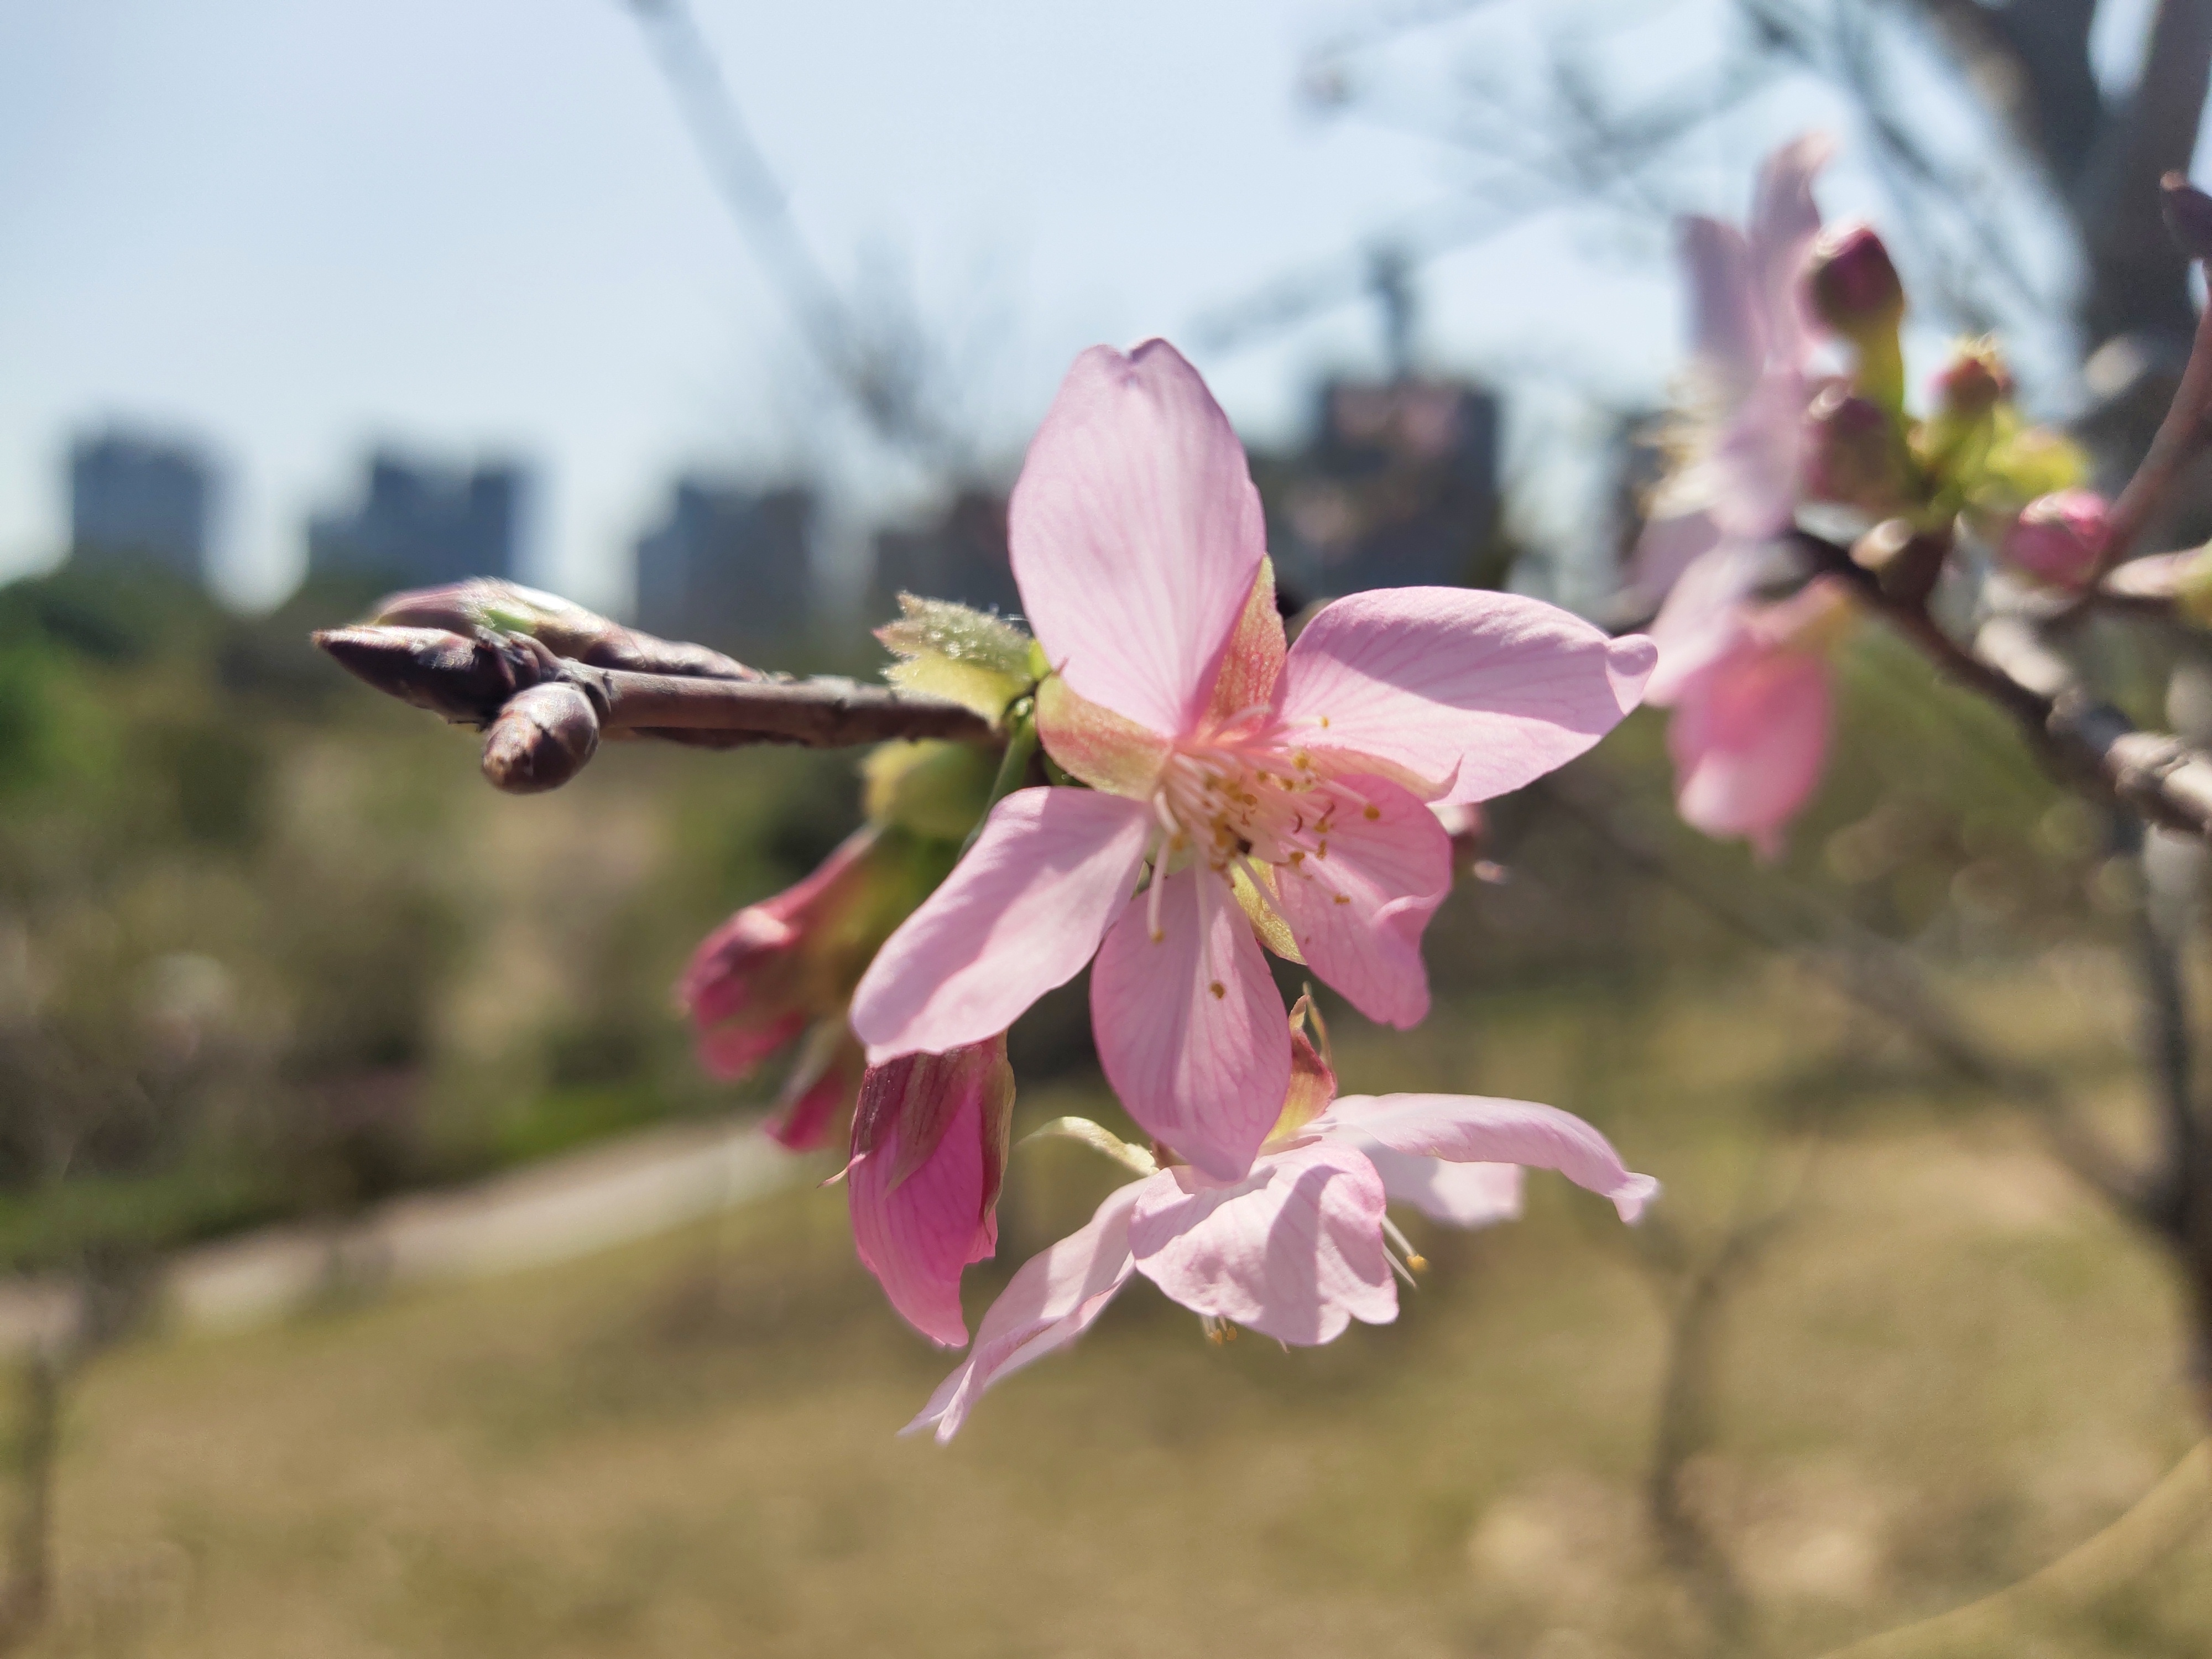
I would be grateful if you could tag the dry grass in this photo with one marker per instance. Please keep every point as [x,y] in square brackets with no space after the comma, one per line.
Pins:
[1951,1367]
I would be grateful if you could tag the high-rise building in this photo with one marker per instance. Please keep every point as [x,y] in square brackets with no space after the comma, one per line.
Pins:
[1397,489]
[135,500]
[961,554]
[419,524]
[729,567]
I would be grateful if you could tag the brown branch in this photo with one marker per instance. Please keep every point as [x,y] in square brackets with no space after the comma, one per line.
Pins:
[544,712]
[2167,780]
[2178,436]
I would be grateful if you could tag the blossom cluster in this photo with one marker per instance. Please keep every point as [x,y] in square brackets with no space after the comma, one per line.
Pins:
[1794,414]
[1214,793]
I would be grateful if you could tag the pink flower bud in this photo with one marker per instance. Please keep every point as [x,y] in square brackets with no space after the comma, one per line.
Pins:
[1853,453]
[1855,287]
[2059,538]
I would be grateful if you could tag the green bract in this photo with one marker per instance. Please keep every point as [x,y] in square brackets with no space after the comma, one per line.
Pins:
[948,650]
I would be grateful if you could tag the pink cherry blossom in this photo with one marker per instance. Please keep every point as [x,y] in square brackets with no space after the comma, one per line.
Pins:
[929,1151]
[1273,793]
[1298,1247]
[1748,680]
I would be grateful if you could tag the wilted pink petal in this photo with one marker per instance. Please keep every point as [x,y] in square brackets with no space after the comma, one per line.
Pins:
[1191,1031]
[1749,738]
[928,1151]
[824,1078]
[1459,1194]
[1053,1300]
[1019,915]
[1136,534]
[1357,912]
[1472,694]
[1293,1251]
[1471,1129]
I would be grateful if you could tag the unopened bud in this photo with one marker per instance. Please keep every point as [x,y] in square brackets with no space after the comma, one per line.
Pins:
[541,739]
[1974,381]
[2188,213]
[1855,287]
[1853,453]
[464,680]
[2059,538]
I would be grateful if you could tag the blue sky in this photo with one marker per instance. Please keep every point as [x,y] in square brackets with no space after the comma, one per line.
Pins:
[293,226]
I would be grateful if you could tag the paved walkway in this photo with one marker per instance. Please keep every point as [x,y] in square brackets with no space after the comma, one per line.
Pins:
[553,1210]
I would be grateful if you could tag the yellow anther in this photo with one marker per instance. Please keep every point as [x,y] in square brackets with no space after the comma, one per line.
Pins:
[1341,899]
[1419,1264]
[1219,989]
[1372,813]
[1324,719]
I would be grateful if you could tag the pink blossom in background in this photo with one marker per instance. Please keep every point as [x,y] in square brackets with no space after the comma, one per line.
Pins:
[1276,794]
[929,1151]
[1751,348]
[1747,679]
[1752,708]
[1298,1246]
[2059,538]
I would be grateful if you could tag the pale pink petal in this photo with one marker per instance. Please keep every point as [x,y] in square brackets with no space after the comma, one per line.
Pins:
[1191,1031]
[1356,911]
[1021,913]
[916,1236]
[1136,534]
[1754,468]
[1053,1300]
[1472,1129]
[1704,619]
[1727,330]
[1749,738]
[1670,545]
[1459,1194]
[1294,1250]
[1784,222]
[1470,693]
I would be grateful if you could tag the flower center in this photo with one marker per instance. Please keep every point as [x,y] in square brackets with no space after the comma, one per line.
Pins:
[1252,797]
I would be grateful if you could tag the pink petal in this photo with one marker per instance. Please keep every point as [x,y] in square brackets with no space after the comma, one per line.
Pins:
[1459,1194]
[1356,914]
[1727,329]
[1294,1250]
[1749,738]
[1669,546]
[1053,1300]
[1755,466]
[1472,694]
[1785,221]
[1021,913]
[1703,618]
[1191,1031]
[917,1234]
[1136,533]
[1254,662]
[1471,1129]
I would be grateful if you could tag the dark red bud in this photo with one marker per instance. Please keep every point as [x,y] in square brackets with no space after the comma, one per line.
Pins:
[1855,287]
[1974,381]
[464,680]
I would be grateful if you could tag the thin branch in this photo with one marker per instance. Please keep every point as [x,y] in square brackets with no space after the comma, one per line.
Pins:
[2179,435]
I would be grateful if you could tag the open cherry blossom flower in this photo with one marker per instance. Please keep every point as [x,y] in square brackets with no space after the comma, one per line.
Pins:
[1748,680]
[1274,794]
[1300,1245]
[929,1151]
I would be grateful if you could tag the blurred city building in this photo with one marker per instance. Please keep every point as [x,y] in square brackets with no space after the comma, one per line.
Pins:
[729,566]
[1398,487]
[136,500]
[419,523]
[961,554]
